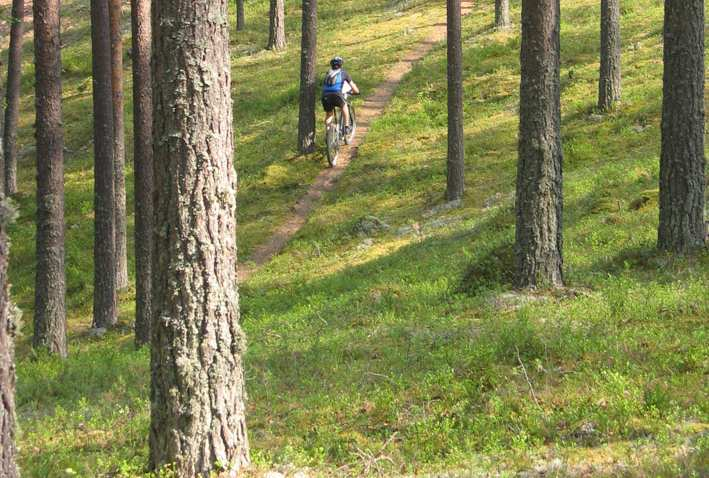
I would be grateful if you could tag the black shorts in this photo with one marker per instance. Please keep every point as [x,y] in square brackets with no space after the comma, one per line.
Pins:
[330,102]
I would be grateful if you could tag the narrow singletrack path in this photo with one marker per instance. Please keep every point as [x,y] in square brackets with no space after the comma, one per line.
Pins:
[370,110]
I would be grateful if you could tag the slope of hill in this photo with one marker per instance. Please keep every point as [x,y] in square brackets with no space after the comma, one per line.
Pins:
[386,338]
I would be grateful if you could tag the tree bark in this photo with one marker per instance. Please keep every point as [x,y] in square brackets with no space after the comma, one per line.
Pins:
[240,16]
[119,143]
[539,200]
[502,14]
[105,313]
[197,394]
[456,139]
[308,81]
[2,142]
[609,86]
[142,168]
[8,452]
[682,162]
[277,26]
[12,109]
[50,282]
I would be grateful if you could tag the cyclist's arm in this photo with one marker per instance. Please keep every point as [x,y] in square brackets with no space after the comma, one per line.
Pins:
[355,89]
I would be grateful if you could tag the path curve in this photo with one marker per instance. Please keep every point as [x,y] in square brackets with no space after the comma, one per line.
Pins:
[370,110]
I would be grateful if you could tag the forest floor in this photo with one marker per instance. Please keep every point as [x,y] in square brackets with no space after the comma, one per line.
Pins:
[385,338]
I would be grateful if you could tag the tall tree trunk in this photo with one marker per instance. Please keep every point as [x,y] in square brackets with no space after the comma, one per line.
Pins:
[277,26]
[609,85]
[12,110]
[240,16]
[2,142]
[502,14]
[50,282]
[539,200]
[682,163]
[197,394]
[8,469]
[105,313]
[456,139]
[308,82]
[142,167]
[119,143]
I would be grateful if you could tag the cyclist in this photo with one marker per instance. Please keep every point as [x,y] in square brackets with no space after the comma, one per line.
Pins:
[337,84]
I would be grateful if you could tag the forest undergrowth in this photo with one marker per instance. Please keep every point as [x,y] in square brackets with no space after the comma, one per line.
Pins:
[387,339]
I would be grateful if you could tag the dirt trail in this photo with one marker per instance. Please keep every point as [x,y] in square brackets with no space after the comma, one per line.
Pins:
[326,181]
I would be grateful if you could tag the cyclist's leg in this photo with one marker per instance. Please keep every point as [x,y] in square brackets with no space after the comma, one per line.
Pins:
[342,103]
[346,114]
[329,108]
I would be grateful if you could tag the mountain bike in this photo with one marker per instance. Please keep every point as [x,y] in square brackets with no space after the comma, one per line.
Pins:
[335,135]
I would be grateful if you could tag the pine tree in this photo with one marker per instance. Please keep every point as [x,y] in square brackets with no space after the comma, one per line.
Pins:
[609,84]
[12,109]
[50,281]
[308,85]
[142,167]
[8,452]
[456,140]
[277,26]
[105,313]
[197,395]
[502,14]
[2,143]
[682,162]
[240,16]
[119,143]
[539,202]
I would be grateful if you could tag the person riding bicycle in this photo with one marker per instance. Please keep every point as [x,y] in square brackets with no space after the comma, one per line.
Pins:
[337,84]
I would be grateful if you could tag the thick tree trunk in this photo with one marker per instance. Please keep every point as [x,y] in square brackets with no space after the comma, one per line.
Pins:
[308,82]
[119,143]
[142,167]
[610,80]
[8,469]
[105,313]
[277,26]
[12,111]
[539,172]
[240,16]
[197,395]
[456,140]
[682,163]
[502,14]
[50,283]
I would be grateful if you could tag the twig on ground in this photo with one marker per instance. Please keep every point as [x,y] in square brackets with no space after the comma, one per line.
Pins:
[371,461]
[526,377]
[381,375]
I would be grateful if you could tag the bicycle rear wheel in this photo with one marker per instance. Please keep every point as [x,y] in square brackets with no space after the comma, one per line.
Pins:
[332,140]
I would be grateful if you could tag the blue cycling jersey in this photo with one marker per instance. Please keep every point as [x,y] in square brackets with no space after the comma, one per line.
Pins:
[334,82]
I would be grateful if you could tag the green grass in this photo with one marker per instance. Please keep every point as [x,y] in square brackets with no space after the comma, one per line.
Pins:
[409,353]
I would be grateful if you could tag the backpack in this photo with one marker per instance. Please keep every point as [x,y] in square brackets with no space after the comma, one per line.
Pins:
[333,82]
